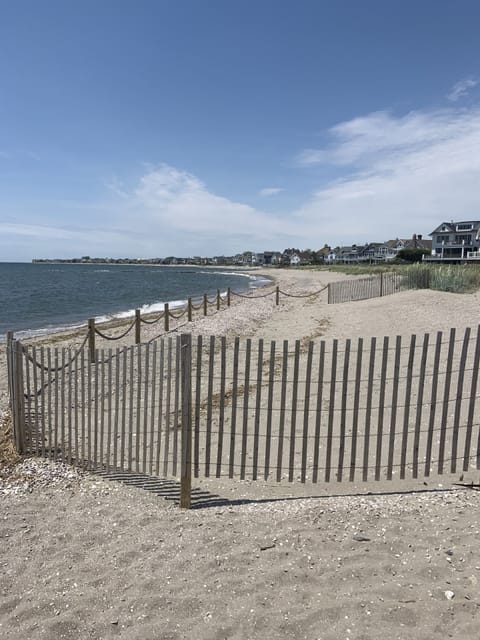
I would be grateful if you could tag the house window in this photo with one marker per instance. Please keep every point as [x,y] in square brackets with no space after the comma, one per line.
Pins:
[464,227]
[463,238]
[441,239]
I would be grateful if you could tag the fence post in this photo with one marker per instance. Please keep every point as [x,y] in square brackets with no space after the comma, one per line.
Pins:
[137,326]
[166,317]
[381,283]
[228,297]
[189,309]
[186,382]
[218,299]
[329,298]
[18,409]
[91,339]
[277,295]
[205,304]
[10,368]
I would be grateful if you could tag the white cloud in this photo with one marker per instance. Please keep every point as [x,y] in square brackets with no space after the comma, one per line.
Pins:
[394,176]
[401,175]
[461,89]
[270,191]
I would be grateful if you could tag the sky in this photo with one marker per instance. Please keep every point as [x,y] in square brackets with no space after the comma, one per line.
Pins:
[152,128]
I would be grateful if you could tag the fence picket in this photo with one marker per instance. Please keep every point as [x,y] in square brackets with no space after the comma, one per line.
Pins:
[166,449]
[271,383]
[246,389]
[38,447]
[293,415]
[458,400]
[231,466]
[471,407]
[221,411]
[306,411]
[69,412]
[381,408]
[208,440]
[419,409]
[318,410]
[407,405]
[158,429]
[446,401]
[433,404]
[153,407]
[343,412]
[42,398]
[258,400]
[331,410]
[356,402]
[283,397]
[198,398]
[116,416]
[393,411]
[146,350]
[177,403]
[368,409]
[110,391]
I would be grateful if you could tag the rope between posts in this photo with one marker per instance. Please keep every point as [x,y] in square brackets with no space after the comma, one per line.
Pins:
[248,297]
[153,321]
[122,335]
[302,295]
[179,315]
[64,366]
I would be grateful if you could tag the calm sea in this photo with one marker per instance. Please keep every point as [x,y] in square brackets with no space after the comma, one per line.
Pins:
[41,298]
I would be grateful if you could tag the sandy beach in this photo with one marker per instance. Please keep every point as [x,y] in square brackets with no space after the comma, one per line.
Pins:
[87,557]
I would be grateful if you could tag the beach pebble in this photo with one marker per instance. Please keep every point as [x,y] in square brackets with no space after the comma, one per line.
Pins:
[359,538]
[449,595]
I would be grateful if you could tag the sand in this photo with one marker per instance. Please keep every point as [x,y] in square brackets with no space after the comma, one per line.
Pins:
[86,557]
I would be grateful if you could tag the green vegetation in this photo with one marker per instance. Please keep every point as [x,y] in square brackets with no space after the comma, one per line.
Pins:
[453,277]
[456,278]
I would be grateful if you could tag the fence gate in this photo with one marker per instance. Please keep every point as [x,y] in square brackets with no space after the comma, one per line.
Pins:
[311,412]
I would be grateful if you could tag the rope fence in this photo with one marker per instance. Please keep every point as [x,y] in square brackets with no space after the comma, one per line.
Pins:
[218,301]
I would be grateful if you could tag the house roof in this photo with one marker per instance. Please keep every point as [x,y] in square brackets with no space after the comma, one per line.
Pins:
[451,226]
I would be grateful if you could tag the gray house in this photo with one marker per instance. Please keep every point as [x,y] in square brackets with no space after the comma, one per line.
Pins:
[455,240]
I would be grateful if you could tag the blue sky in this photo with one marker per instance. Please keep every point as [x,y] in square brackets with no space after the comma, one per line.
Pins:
[208,127]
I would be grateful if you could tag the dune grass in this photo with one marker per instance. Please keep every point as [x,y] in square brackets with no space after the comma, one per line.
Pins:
[455,278]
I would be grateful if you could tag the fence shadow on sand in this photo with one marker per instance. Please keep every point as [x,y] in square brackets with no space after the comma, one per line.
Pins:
[203,499]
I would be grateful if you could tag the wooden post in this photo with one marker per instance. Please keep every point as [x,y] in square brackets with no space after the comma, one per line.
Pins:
[218,299]
[205,304]
[91,339]
[381,284]
[228,297]
[277,295]
[189,308]
[137,326]
[186,470]
[19,409]
[166,317]
[10,367]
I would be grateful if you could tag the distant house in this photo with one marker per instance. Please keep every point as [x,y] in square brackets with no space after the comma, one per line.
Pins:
[393,247]
[455,240]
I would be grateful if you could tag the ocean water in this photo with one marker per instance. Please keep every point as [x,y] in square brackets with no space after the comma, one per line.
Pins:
[42,298]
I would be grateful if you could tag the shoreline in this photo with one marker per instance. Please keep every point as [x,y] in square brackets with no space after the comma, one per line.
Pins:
[123,317]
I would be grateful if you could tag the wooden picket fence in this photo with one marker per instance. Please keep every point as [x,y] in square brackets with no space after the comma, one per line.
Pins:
[376,286]
[310,412]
